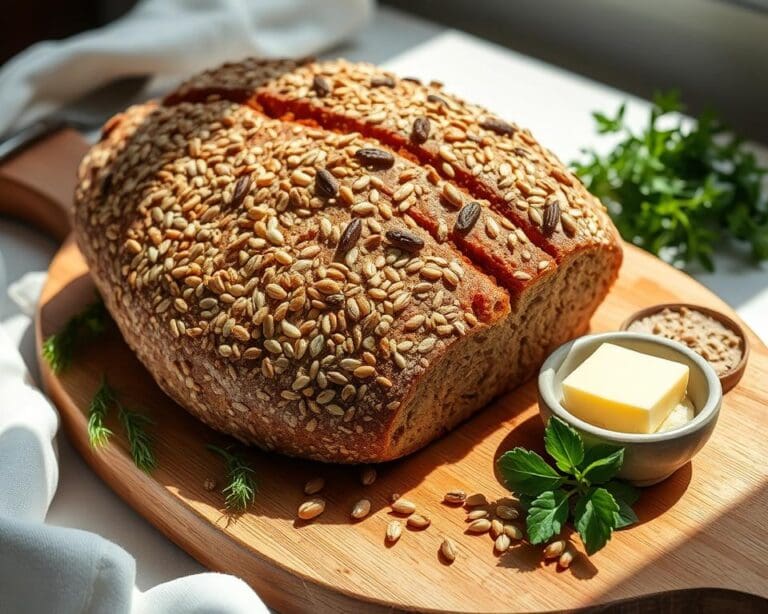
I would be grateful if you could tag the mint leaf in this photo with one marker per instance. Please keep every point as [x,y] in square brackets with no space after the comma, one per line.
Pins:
[625,496]
[596,515]
[527,473]
[546,516]
[563,444]
[601,462]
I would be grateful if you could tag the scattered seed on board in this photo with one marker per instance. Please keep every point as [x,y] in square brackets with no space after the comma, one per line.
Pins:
[475,514]
[368,476]
[481,525]
[565,560]
[554,549]
[311,509]
[455,497]
[497,528]
[394,530]
[448,549]
[513,532]
[314,486]
[475,500]
[505,512]
[403,506]
[502,543]
[209,484]
[417,521]
[361,509]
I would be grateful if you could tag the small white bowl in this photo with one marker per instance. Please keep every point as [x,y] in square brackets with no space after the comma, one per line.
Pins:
[648,458]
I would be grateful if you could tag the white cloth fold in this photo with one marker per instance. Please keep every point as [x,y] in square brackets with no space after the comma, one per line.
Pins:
[56,569]
[170,38]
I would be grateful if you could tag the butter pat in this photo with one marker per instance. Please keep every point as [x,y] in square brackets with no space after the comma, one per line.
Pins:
[624,390]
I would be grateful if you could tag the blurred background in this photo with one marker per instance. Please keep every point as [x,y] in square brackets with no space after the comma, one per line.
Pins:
[713,51]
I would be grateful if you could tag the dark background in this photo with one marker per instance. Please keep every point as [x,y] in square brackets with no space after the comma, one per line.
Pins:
[714,51]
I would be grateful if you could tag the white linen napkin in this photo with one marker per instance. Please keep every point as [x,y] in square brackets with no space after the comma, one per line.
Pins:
[170,38]
[56,569]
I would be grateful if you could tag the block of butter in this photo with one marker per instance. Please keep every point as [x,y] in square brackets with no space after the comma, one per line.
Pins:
[624,390]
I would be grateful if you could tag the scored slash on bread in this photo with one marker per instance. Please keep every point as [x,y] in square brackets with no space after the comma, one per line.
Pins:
[328,261]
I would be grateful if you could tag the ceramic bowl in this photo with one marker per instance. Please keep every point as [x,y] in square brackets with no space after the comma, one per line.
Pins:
[648,458]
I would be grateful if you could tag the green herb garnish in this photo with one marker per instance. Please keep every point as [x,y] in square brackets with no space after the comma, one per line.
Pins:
[59,347]
[98,433]
[582,489]
[134,423]
[241,487]
[679,191]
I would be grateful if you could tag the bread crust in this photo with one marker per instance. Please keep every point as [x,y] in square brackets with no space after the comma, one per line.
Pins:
[291,288]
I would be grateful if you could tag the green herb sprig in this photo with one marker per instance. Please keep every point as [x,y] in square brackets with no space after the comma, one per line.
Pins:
[241,487]
[582,489]
[59,348]
[678,191]
[133,423]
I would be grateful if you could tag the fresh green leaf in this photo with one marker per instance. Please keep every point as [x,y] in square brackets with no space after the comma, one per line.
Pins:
[546,516]
[241,487]
[625,496]
[98,433]
[139,441]
[58,349]
[679,188]
[596,515]
[527,473]
[563,444]
[601,462]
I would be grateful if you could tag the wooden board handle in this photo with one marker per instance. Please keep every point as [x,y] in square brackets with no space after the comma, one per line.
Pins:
[37,184]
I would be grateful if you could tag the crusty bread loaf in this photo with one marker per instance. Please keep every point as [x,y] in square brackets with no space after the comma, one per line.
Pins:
[331,262]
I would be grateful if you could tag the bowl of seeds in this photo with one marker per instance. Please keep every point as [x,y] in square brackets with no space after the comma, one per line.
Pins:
[713,335]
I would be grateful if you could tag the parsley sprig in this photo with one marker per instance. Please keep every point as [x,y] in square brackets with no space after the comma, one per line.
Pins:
[580,488]
[59,348]
[134,424]
[679,190]
[241,487]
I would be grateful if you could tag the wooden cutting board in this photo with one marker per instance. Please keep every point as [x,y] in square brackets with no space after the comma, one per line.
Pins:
[704,528]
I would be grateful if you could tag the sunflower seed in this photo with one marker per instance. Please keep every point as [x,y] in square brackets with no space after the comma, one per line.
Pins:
[242,185]
[361,509]
[311,509]
[403,506]
[350,236]
[513,531]
[321,86]
[554,549]
[420,130]
[448,550]
[452,195]
[497,125]
[455,497]
[502,543]
[384,81]
[368,476]
[417,521]
[326,184]
[497,528]
[375,158]
[481,525]
[475,500]
[405,240]
[394,530]
[475,514]
[467,217]
[506,512]
[314,486]
[570,226]
[551,217]
[565,560]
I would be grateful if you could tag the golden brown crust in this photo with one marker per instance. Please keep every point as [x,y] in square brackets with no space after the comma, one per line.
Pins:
[291,284]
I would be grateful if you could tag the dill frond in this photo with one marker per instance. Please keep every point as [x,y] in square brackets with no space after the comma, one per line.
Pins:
[139,440]
[241,487]
[98,433]
[59,347]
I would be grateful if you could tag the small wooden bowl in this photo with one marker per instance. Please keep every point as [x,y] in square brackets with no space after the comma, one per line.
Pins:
[728,379]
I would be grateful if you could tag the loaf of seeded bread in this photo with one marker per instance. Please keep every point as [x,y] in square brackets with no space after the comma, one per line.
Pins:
[328,261]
